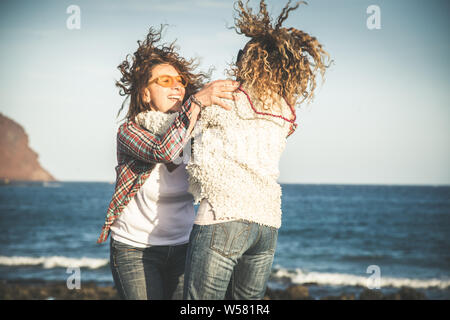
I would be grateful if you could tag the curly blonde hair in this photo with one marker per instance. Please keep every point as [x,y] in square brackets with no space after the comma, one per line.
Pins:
[277,61]
[136,71]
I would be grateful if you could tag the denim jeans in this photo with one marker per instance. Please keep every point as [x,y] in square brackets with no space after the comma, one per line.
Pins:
[153,273]
[229,260]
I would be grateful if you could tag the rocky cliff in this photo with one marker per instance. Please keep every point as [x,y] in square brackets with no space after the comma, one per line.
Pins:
[17,160]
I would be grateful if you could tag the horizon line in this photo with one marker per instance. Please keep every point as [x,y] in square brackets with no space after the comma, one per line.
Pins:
[281,183]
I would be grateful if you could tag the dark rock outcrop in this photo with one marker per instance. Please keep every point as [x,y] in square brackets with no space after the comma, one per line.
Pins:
[17,161]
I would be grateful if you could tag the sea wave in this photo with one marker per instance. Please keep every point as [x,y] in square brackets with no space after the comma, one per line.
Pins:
[54,262]
[279,274]
[299,276]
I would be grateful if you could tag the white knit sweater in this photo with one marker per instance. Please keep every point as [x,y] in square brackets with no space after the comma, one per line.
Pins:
[156,122]
[235,161]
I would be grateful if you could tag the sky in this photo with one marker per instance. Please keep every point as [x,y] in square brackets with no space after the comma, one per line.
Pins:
[381,116]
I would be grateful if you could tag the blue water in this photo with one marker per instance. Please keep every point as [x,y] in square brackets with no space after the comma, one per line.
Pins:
[330,234]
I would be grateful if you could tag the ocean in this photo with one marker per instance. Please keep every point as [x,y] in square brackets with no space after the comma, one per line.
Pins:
[333,238]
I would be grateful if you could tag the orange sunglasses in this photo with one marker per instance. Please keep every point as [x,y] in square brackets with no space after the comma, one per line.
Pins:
[168,81]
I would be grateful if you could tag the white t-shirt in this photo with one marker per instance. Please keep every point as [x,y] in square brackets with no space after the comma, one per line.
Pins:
[161,213]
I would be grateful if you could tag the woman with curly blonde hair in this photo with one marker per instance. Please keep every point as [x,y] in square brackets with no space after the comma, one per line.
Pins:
[151,213]
[234,169]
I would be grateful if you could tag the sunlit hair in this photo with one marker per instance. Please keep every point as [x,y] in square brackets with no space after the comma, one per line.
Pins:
[136,71]
[277,61]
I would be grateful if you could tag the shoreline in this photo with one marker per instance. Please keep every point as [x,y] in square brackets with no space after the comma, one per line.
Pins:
[35,289]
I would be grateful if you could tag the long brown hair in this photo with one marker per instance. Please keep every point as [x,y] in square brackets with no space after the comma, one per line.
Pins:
[277,61]
[136,71]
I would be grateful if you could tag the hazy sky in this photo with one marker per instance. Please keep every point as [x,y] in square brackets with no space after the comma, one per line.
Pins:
[382,116]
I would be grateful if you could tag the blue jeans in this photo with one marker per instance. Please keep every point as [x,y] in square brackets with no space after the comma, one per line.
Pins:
[231,260]
[153,273]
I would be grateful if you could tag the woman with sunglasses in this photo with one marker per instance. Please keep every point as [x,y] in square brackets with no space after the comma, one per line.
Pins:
[151,213]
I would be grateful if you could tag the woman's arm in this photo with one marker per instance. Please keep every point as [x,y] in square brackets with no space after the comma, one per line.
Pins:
[292,129]
[146,146]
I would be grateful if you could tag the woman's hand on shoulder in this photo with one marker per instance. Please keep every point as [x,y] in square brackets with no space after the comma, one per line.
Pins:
[214,92]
